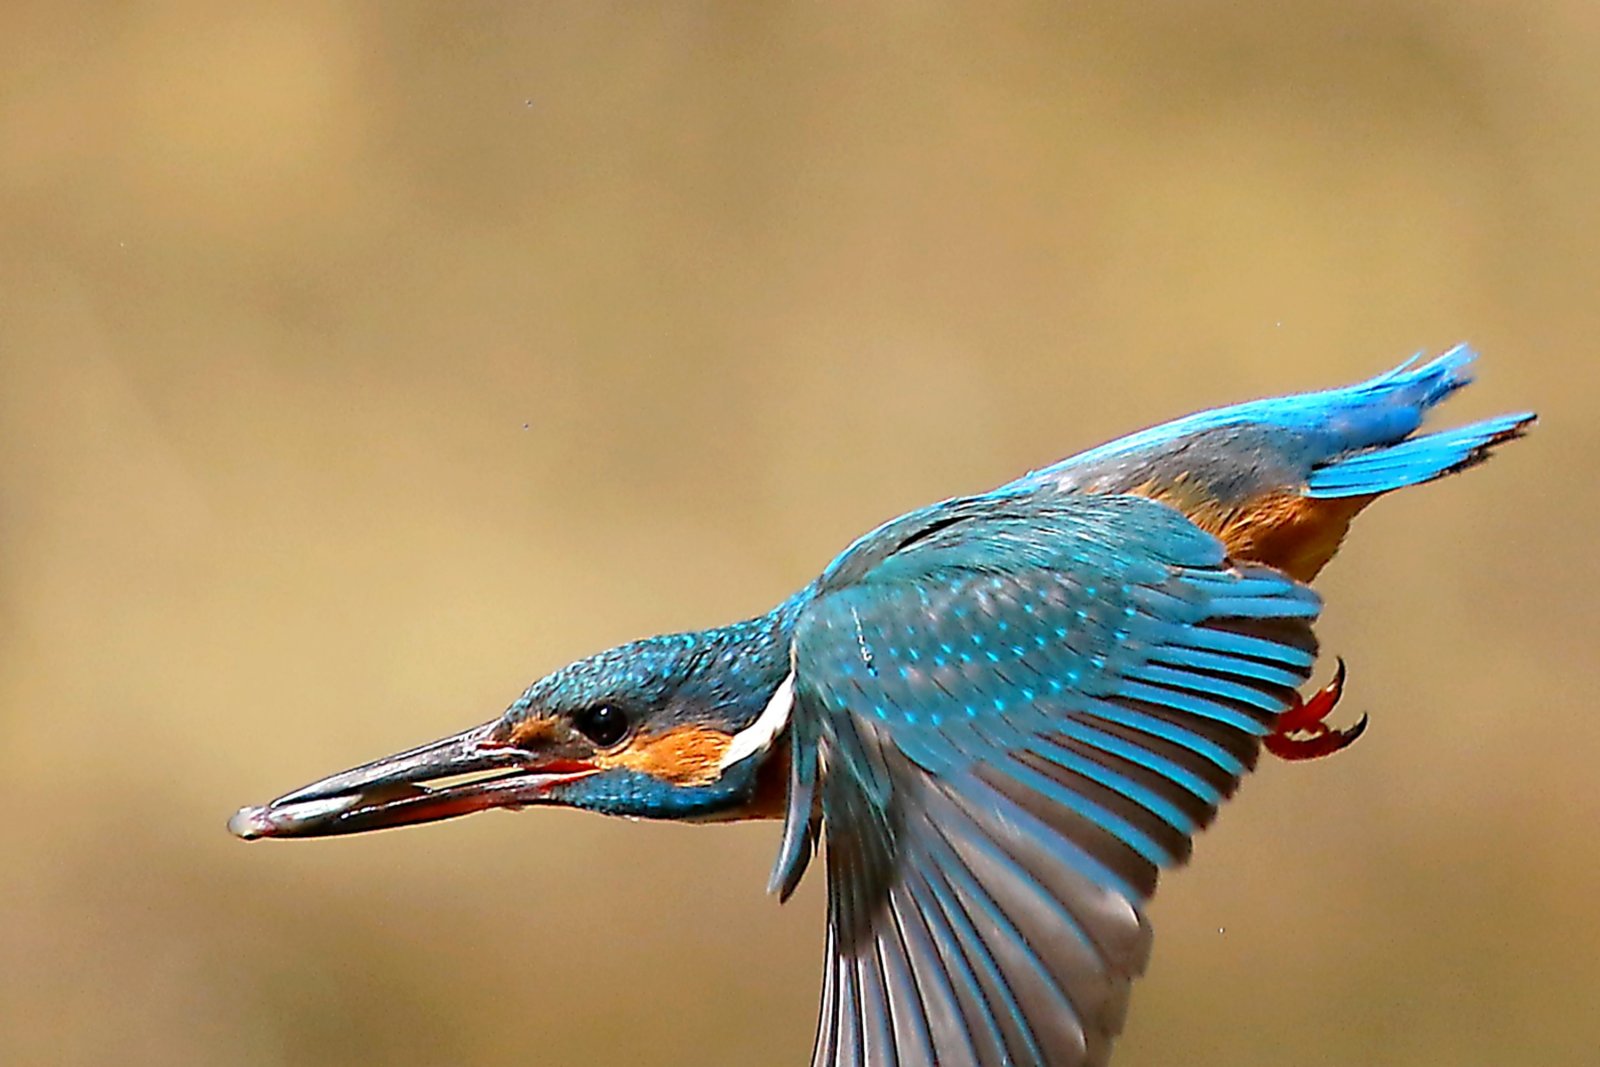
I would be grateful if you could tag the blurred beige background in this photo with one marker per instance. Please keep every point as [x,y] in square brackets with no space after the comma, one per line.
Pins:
[362,362]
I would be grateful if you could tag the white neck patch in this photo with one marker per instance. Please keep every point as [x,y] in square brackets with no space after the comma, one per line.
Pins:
[760,735]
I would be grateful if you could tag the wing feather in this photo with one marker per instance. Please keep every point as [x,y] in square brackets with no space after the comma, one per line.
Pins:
[1011,716]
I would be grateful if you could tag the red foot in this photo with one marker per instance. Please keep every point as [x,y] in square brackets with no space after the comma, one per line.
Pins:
[1316,738]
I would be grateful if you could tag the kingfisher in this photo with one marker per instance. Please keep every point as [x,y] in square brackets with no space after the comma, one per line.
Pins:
[1000,715]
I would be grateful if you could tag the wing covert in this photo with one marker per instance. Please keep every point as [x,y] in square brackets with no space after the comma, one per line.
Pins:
[1022,710]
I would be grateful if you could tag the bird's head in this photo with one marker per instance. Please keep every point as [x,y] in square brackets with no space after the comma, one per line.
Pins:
[679,726]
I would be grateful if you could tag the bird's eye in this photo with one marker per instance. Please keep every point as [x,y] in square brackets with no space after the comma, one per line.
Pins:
[604,724]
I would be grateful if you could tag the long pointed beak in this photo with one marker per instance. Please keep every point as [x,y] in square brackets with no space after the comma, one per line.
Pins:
[396,790]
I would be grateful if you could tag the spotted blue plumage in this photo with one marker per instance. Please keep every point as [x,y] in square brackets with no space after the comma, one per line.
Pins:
[1026,706]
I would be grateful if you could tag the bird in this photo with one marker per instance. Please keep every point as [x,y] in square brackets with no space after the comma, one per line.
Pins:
[998,717]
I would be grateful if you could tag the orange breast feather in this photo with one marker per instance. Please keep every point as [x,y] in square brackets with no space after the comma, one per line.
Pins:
[1282,528]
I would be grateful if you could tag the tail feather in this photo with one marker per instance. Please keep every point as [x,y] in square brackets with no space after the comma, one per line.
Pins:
[1240,464]
[1416,460]
[1437,378]
[1391,406]
[1324,425]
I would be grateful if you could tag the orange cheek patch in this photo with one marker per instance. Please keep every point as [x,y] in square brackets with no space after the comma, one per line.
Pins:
[685,755]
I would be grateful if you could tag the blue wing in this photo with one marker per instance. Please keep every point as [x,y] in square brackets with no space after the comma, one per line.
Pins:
[1014,712]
